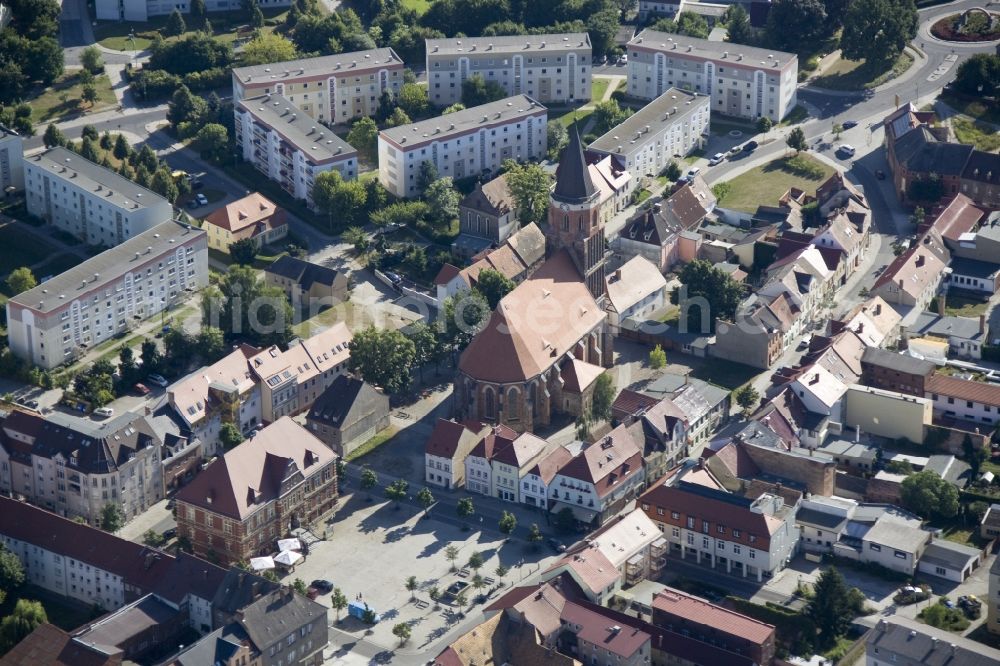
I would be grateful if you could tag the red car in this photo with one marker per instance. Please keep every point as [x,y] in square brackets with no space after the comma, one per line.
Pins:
[141,389]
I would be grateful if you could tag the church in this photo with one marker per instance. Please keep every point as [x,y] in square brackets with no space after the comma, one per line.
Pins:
[548,340]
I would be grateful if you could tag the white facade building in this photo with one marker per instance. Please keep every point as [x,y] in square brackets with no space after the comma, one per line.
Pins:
[461,144]
[141,10]
[667,8]
[92,203]
[742,81]
[100,298]
[288,146]
[550,68]
[331,89]
[11,160]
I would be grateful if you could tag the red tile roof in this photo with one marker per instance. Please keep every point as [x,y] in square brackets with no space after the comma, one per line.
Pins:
[447,273]
[49,645]
[735,459]
[959,216]
[247,217]
[595,629]
[446,437]
[550,465]
[631,403]
[697,610]
[964,389]
[606,462]
[499,436]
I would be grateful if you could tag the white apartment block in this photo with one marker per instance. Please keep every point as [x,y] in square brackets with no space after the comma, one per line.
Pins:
[92,203]
[141,10]
[105,295]
[11,161]
[288,146]
[550,68]
[675,123]
[743,81]
[665,8]
[464,143]
[330,89]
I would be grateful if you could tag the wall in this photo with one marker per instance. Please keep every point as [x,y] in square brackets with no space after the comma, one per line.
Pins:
[886,413]
[816,474]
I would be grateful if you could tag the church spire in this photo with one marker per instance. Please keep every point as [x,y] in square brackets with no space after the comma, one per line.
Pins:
[573,183]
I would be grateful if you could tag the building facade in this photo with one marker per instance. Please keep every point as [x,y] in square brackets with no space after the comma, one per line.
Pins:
[91,203]
[746,82]
[462,144]
[348,413]
[11,160]
[446,450]
[254,217]
[286,145]
[549,68]
[105,295]
[141,10]
[331,89]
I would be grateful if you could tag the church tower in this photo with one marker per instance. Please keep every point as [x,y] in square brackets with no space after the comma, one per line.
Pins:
[574,220]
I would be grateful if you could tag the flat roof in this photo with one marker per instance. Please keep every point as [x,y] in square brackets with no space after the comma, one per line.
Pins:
[105,183]
[508,44]
[341,63]
[752,56]
[501,111]
[106,268]
[673,106]
[304,133]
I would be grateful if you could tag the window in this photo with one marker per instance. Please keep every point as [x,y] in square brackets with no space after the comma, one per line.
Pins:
[874,546]
[900,554]
[675,515]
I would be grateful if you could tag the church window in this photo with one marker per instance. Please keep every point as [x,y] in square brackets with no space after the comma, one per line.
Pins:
[565,223]
[512,407]
[489,403]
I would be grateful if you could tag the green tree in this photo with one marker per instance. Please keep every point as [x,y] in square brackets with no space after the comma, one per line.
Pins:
[451,554]
[457,106]
[243,252]
[338,601]
[122,150]
[364,137]
[368,479]
[299,586]
[830,608]
[476,561]
[11,572]
[127,367]
[211,344]
[212,142]
[242,306]
[383,358]
[738,27]
[112,518]
[565,521]
[357,237]
[150,356]
[21,280]
[929,496]
[508,523]
[402,632]
[493,285]
[796,140]
[92,59]
[426,499]
[501,571]
[426,344]
[183,107]
[163,184]
[199,12]
[918,216]
[268,47]
[602,27]
[534,535]
[53,136]
[396,492]
[412,585]
[152,538]
[465,314]
[837,130]
[461,599]
[426,175]
[529,185]
[256,16]
[443,199]
[672,171]
[808,18]
[412,98]
[693,25]
[230,435]
[979,74]
[974,455]
[604,396]
[657,357]
[609,114]
[26,616]
[476,91]
[465,508]
[175,24]
[435,594]
[877,30]
[397,117]
[343,201]
[702,280]
[746,397]
[556,138]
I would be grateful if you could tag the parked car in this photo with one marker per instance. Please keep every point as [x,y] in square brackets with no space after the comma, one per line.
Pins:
[201,199]
[692,172]
[750,146]
[324,586]
[141,389]
[104,411]
[192,203]
[556,546]
[848,124]
[159,380]
[716,159]
[971,605]
[847,150]
[170,533]
[394,278]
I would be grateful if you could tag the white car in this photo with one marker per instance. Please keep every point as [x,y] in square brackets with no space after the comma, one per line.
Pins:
[717,159]
[158,380]
[104,411]
[202,199]
[847,149]
[692,172]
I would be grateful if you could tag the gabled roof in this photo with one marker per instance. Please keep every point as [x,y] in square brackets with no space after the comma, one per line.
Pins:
[497,437]
[607,462]
[983,167]
[635,280]
[573,183]
[883,358]
[594,629]
[920,151]
[254,214]
[190,396]
[964,389]
[650,226]
[493,198]
[698,611]
[525,448]
[913,270]
[278,613]
[688,205]
[528,244]
[305,273]
[347,400]
[551,463]
[48,645]
[448,436]
[959,216]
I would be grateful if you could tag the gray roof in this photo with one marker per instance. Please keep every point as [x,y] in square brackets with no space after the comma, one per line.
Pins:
[341,63]
[573,182]
[304,273]
[108,266]
[317,142]
[926,645]
[948,467]
[348,400]
[929,323]
[950,555]
[671,107]
[703,48]
[898,362]
[505,110]
[899,535]
[240,588]
[217,647]
[279,613]
[112,187]
[920,151]
[817,518]
[842,447]
[129,622]
[508,44]
[974,268]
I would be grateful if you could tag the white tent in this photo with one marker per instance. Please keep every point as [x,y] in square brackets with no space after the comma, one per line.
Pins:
[287,557]
[261,563]
[289,544]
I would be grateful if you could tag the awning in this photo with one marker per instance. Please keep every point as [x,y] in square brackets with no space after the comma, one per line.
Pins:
[287,557]
[261,563]
[289,544]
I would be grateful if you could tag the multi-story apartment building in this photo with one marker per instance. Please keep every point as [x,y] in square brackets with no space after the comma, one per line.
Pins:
[224,392]
[461,144]
[550,68]
[742,81]
[446,449]
[281,478]
[76,467]
[675,123]
[535,484]
[291,381]
[11,160]
[288,146]
[478,463]
[92,203]
[900,640]
[964,399]
[141,10]
[330,89]
[511,463]
[103,296]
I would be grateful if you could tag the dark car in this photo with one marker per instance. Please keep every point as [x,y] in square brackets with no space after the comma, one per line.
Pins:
[141,389]
[556,546]
[880,174]
[848,124]
[750,146]
[324,586]
[170,533]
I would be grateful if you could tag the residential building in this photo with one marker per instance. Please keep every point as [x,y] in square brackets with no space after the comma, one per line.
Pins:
[650,235]
[348,413]
[597,482]
[912,279]
[667,8]
[755,536]
[88,201]
[993,603]
[979,278]
[48,644]
[446,450]
[671,125]
[892,371]
[516,258]
[964,400]
[636,291]
[957,220]
[511,462]
[820,391]
[874,322]
[138,631]
[663,429]
[102,297]
[487,216]
[306,284]
[895,545]
[462,144]
[851,456]
[11,160]
[331,89]
[745,82]
[501,640]
[554,69]
[254,217]
[479,461]
[762,328]
[965,335]
[75,467]
[141,11]
[287,146]
[536,483]
[292,380]
[900,640]
[257,492]
[690,615]
[224,392]
[614,182]
[703,404]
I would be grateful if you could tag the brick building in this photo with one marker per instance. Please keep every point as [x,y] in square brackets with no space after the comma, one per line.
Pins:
[890,371]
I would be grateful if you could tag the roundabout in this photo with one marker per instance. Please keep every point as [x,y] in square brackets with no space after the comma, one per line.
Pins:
[974,25]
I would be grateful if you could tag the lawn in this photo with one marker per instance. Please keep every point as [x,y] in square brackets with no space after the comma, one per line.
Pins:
[797,115]
[726,374]
[372,444]
[419,6]
[856,75]
[114,34]
[978,135]
[972,107]
[957,306]
[597,89]
[62,99]
[575,116]
[764,185]
[357,317]
[20,248]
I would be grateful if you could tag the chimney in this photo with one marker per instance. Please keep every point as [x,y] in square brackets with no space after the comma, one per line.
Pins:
[878,309]
[920,260]
[940,304]
[982,324]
